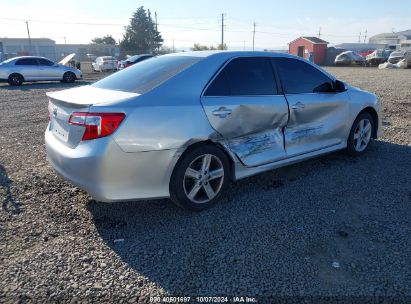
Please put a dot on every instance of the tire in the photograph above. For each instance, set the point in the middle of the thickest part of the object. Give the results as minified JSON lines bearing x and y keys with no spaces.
{"x":361,"y":134}
{"x":69,"y":77}
{"x":15,"y":79}
{"x":191,"y":186}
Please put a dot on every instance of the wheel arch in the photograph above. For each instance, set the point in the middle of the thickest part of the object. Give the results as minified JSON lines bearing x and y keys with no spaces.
{"x":208,"y":142}
{"x":374,"y":115}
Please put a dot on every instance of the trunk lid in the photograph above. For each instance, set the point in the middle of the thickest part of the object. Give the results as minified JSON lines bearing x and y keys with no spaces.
{"x":64,"y":103}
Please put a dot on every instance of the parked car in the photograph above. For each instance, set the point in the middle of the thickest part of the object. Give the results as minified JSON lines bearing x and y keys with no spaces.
{"x":31,"y":68}
{"x":104,"y":63}
{"x":377,"y":57}
{"x":349,"y":58}
{"x":399,"y":55}
{"x":133,"y":60}
{"x":185,"y":125}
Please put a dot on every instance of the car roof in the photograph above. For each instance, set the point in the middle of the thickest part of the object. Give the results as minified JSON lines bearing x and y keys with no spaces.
{"x":229,"y":54}
{"x":21,"y":57}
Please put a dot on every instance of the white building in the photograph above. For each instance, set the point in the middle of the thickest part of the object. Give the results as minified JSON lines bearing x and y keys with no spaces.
{"x":45,"y":47}
{"x":393,"y":40}
{"x":11,"y":47}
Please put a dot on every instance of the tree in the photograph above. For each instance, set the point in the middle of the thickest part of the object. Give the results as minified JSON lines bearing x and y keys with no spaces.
{"x":108,"y":39}
{"x":200,"y":47}
{"x":141,"y":34}
{"x":165,"y":50}
{"x":222,"y":47}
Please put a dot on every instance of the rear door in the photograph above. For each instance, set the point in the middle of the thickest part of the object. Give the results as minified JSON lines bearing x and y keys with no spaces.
{"x":318,"y":114}
{"x":244,"y":104}
{"x":29,"y":68}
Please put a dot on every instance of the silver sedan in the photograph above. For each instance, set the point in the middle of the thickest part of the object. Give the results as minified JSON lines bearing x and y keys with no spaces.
{"x":184,"y":125}
{"x":30,"y":68}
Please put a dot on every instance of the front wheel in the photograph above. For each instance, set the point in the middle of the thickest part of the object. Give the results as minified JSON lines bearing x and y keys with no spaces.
{"x":200,"y":177}
{"x":360,"y":134}
{"x":69,"y":77}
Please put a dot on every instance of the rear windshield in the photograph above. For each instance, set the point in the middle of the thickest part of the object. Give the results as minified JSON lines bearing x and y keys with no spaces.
{"x":148,"y":74}
{"x":107,"y":58}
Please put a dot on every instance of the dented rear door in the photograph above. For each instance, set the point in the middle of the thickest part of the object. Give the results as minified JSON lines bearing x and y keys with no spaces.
{"x":318,"y":114}
{"x":243,"y":104}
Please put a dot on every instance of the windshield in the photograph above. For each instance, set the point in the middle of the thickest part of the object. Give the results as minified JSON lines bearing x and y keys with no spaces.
{"x":148,"y":74}
{"x":107,"y":58}
{"x":8,"y":60}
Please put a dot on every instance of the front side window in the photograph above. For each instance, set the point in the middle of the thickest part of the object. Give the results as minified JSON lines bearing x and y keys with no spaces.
{"x":248,"y":76}
{"x":45,"y":62}
{"x":299,"y":77}
{"x":27,"y":61}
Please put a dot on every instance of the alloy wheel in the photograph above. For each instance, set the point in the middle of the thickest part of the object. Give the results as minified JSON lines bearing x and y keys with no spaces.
{"x":362,"y":135}
{"x":203,"y":178}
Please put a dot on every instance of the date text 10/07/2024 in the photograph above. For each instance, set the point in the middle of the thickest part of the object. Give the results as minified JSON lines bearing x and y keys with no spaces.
{"x":172,"y":299}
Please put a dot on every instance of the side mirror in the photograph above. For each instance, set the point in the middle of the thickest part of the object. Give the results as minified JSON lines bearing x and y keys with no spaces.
{"x":340,"y":86}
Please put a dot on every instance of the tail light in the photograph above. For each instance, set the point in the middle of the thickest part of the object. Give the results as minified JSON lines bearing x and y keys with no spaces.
{"x":97,"y":124}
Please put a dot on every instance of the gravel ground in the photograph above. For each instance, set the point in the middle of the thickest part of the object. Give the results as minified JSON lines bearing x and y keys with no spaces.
{"x":331,"y":228}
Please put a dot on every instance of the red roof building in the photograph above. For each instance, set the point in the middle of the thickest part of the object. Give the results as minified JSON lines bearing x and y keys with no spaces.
{"x":303,"y":46}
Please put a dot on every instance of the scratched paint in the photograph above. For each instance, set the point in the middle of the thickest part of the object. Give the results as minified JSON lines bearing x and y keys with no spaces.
{"x":254,"y":149}
{"x":301,"y":134}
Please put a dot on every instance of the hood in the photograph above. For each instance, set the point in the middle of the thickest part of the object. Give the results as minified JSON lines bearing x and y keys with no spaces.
{"x":67,"y":59}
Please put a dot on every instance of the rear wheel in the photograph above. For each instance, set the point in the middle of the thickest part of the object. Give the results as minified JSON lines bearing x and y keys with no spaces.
{"x":200,"y":177}
{"x":15,"y":79}
{"x":360,"y":134}
{"x":69,"y":77}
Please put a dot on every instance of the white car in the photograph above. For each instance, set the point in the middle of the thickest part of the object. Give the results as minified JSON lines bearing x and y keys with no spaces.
{"x":104,"y":63}
{"x":17,"y":70}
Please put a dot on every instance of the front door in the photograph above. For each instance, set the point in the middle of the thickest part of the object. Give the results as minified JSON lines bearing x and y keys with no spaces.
{"x":243,"y":104}
{"x":318,"y":114}
{"x":48,"y":70}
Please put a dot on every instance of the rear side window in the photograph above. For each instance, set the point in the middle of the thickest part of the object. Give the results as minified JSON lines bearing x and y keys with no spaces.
{"x":27,"y":61}
{"x":141,"y":78}
{"x":299,"y":77}
{"x":45,"y":62}
{"x":244,"y":77}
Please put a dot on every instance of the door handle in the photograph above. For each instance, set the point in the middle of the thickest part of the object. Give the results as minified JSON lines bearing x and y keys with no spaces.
{"x":222,"y":112}
{"x":298,"y":106}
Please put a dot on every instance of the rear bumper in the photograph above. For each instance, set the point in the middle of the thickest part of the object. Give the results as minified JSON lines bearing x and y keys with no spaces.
{"x":108,"y":173}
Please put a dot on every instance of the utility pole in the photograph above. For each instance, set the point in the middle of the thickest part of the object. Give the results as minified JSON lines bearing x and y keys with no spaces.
{"x":365,"y":37}
{"x":359,"y":38}
{"x":28,"y":33}
{"x":174,"y":50}
{"x":254,"y":34}
{"x":65,"y":41}
{"x":243,"y":45}
{"x":319,"y":32}
{"x":222,"y":31}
